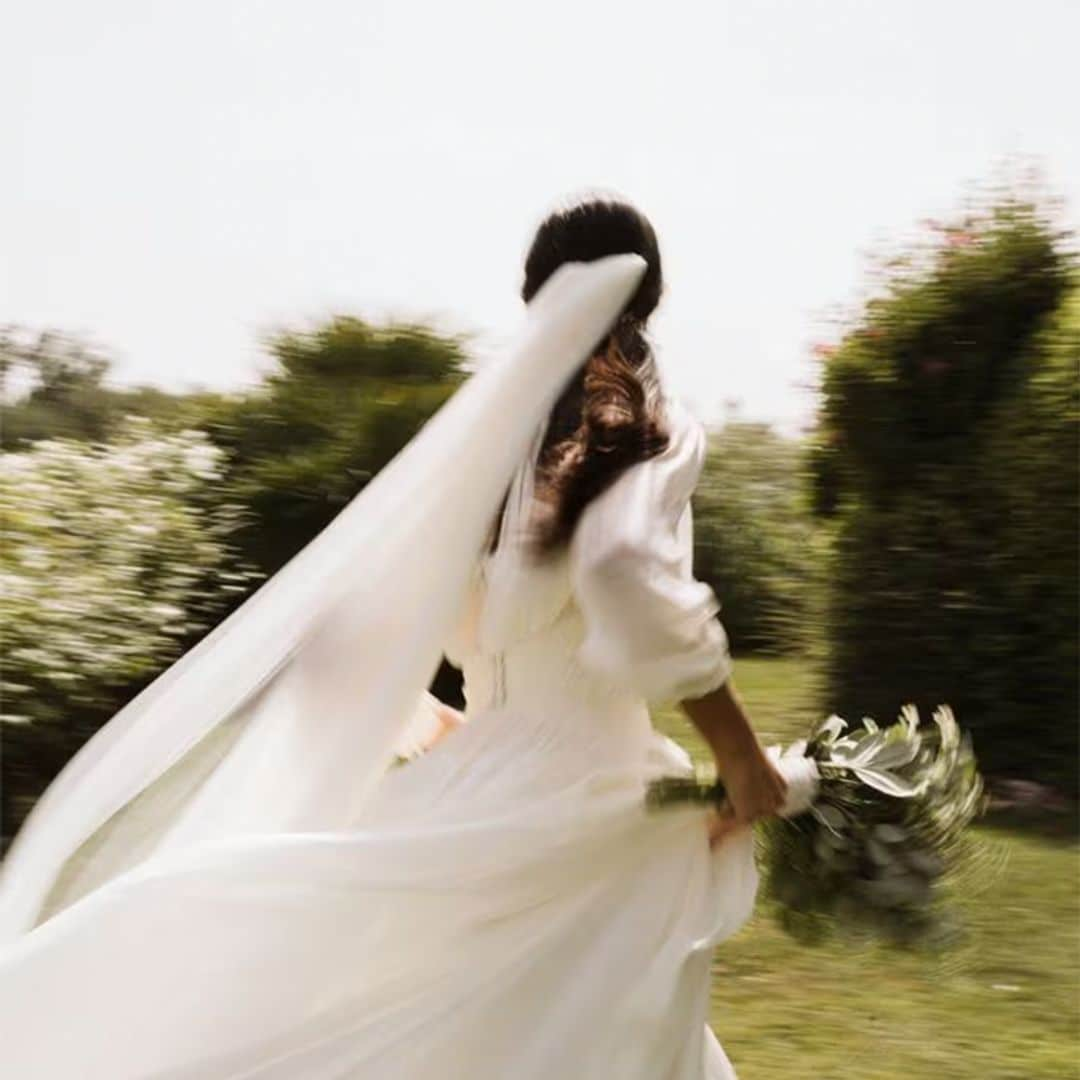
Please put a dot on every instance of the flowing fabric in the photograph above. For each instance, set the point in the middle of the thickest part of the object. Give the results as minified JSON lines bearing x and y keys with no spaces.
{"x":501,"y":906}
{"x":264,"y":725}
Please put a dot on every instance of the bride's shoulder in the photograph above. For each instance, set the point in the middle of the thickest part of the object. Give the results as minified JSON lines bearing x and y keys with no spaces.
{"x":671,"y":475}
{"x":661,"y":484}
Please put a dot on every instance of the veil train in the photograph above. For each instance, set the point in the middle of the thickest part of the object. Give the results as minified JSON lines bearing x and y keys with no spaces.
{"x":284,"y":717}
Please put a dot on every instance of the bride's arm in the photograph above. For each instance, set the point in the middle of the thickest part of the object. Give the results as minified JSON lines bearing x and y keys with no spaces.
{"x":652,"y":626}
{"x":754,"y":787}
{"x":681,"y":654}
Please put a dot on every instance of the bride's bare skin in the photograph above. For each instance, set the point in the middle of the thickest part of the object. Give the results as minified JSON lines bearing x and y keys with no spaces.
{"x":450,"y":719}
{"x":755,"y":787}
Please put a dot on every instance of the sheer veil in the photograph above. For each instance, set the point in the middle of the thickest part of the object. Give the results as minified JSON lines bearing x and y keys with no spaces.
{"x":285,"y":716}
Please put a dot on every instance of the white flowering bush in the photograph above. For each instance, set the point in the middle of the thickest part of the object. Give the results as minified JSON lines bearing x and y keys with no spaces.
{"x":114,"y":556}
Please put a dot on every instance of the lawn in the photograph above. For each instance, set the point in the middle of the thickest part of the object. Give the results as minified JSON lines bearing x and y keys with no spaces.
{"x":1004,"y":1004}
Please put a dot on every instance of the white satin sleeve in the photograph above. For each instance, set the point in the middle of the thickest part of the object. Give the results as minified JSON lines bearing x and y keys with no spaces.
{"x":650,"y":625}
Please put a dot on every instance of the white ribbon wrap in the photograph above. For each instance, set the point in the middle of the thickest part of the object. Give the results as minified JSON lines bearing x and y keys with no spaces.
{"x":803,"y":779}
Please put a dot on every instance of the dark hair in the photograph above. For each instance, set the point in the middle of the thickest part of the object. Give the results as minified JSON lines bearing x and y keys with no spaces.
{"x":610,"y":415}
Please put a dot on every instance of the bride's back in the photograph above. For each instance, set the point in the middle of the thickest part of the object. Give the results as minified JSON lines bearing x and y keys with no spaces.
{"x":613,"y":620}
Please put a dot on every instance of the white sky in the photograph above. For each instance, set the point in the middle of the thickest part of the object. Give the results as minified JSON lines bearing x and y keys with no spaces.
{"x":180,"y":177}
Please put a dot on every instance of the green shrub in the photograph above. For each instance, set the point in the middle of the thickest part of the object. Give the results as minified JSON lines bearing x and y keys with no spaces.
{"x":946,"y":458}
{"x":755,"y":540}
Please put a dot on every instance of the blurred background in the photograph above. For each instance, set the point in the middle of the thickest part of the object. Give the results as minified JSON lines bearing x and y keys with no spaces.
{"x":250,"y":247}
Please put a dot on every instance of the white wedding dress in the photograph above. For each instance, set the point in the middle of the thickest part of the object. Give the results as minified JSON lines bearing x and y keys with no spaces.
{"x":501,"y":906}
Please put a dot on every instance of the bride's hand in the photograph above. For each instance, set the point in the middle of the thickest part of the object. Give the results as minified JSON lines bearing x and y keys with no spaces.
{"x":754,"y":788}
{"x":449,"y":720}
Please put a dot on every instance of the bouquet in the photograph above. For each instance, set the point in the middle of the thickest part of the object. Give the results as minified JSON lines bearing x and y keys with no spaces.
{"x":875,"y":818}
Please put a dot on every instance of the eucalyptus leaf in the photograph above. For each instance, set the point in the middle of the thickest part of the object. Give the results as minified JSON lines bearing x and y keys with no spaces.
{"x":887,"y":782}
{"x":890,"y":834}
{"x":832,"y":816}
{"x":898,"y":750}
{"x":832,"y":727}
{"x":822,"y":848}
{"x":877,"y":852}
{"x":925,"y":862}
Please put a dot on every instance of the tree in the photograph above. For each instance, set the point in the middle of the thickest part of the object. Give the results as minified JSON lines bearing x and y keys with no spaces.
{"x":54,"y":385}
{"x":115,"y":558}
{"x":946,"y":461}
{"x":343,"y":400}
{"x":755,"y":540}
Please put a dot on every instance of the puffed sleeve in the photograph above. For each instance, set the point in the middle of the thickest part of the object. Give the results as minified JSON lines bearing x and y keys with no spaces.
{"x":650,"y":625}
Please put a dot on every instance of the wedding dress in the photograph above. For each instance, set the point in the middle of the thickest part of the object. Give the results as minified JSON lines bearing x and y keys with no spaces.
{"x":502,"y":905}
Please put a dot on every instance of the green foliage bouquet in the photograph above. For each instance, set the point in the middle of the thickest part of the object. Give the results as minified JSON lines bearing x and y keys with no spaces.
{"x":867,"y":841}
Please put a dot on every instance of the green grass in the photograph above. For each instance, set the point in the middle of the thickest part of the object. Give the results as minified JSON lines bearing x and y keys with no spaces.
{"x":1004,"y":1004}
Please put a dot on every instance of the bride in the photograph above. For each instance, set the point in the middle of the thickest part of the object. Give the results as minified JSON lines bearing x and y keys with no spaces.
{"x":237,"y":878}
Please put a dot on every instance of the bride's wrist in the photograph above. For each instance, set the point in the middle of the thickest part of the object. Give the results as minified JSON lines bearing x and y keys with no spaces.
{"x":739,"y":756}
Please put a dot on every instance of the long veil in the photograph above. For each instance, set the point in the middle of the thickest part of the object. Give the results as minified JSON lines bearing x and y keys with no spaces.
{"x":285,"y":716}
